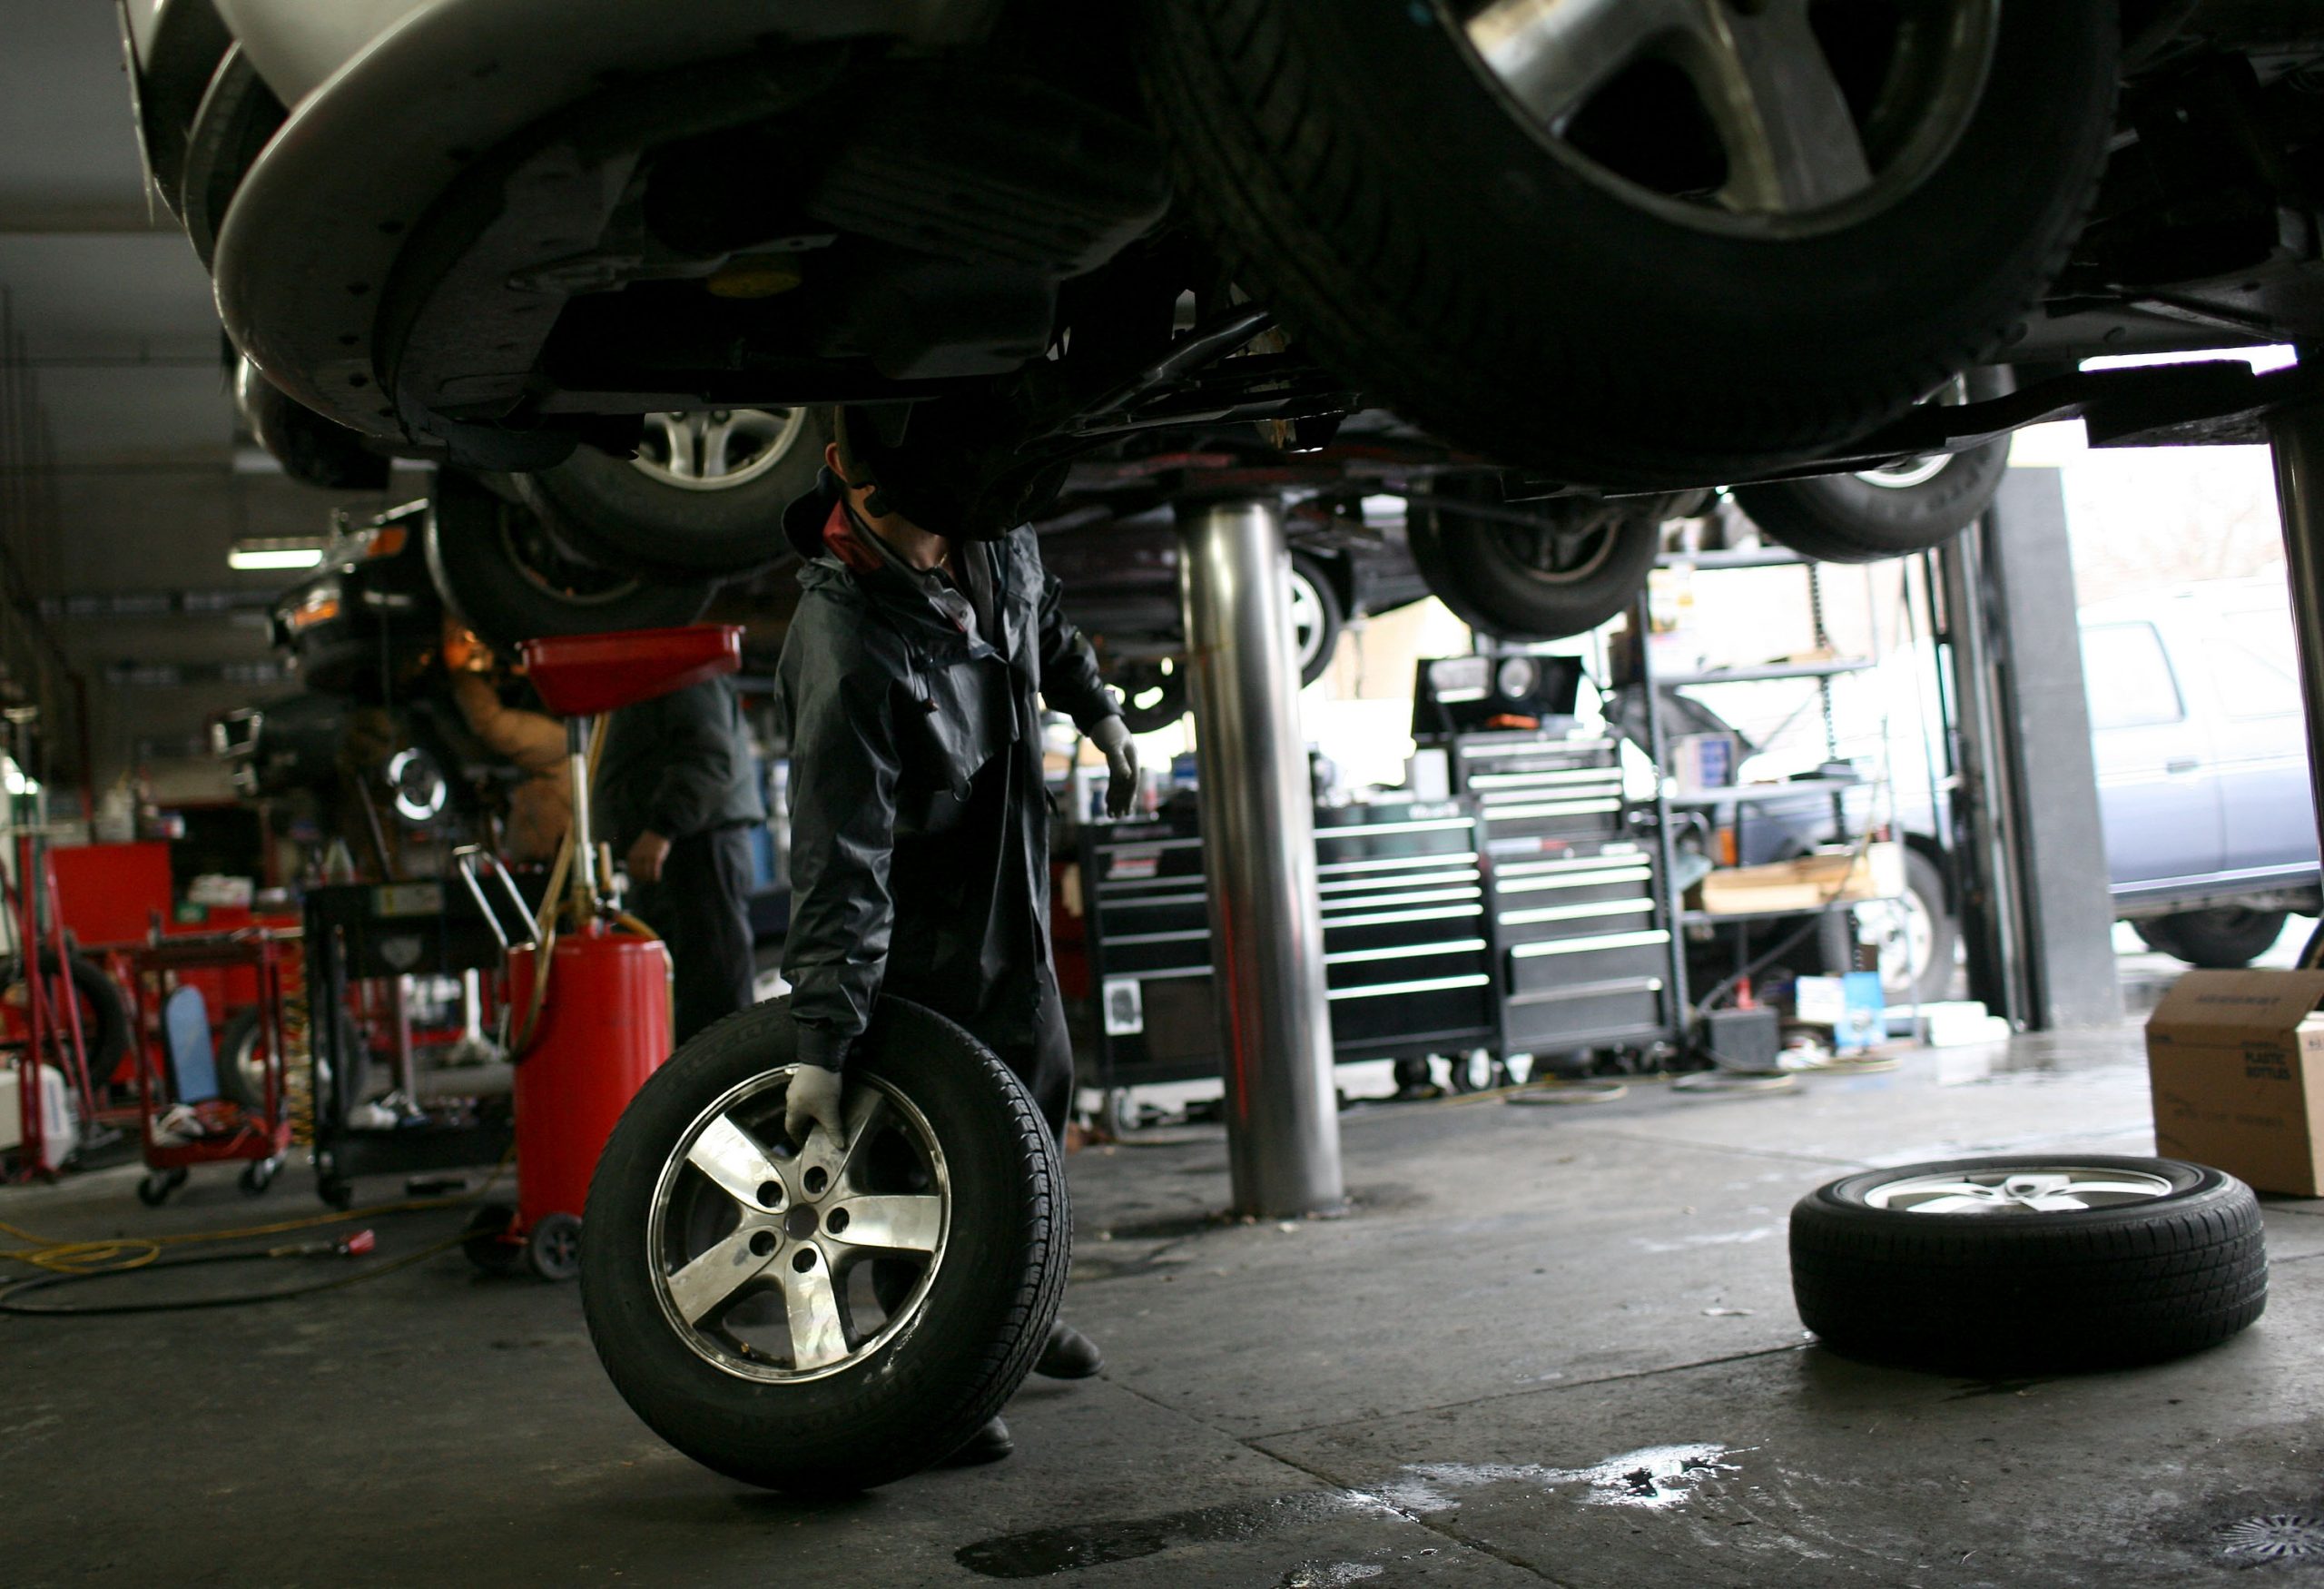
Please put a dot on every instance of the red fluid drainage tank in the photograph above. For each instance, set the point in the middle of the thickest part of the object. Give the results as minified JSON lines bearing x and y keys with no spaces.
{"x":605,"y":1029}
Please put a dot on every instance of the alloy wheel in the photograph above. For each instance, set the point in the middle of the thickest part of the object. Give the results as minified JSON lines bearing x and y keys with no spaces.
{"x":716,"y":449}
{"x":782,"y":1263}
{"x":2043,"y":1189}
{"x":1768,"y":117}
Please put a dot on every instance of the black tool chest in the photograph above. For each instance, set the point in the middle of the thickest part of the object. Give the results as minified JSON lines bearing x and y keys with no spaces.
{"x":1579,"y":925}
{"x":1524,"y":917}
{"x":1408,"y":956}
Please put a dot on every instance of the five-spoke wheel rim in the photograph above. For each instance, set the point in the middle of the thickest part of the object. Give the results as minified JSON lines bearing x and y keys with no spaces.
{"x":786,"y":1265}
{"x":1768,"y":117}
{"x":716,"y":449}
{"x":2043,"y":1188}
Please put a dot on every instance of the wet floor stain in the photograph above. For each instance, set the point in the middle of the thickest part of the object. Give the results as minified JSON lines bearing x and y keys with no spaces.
{"x":1044,"y":1550}
{"x":1657,"y":1478}
{"x":1328,"y":1575}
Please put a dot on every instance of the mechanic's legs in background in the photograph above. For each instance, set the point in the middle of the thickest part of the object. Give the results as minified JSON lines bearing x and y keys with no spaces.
{"x":700,"y":907}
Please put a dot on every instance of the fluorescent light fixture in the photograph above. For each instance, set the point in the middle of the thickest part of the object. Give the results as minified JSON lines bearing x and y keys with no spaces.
{"x":264,"y":552}
{"x":2262,"y":360}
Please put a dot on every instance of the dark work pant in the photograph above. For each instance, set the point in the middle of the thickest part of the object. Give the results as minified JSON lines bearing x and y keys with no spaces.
{"x":1038,"y":1050}
{"x":702,"y":909}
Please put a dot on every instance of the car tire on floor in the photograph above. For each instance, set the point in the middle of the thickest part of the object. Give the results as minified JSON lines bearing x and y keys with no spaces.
{"x":2028,"y":1265}
{"x":105,"y":1008}
{"x":816,"y":1319}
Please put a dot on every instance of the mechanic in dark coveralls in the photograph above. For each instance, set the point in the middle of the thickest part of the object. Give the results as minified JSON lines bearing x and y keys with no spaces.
{"x":677,"y":791}
{"x":919,"y":819}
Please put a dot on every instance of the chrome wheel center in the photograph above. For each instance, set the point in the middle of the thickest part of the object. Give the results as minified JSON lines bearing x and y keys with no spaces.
{"x":782,"y":1263}
{"x":2044,"y":1190}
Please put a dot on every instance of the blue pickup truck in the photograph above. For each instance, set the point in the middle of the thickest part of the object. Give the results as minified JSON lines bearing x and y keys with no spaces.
{"x":2202,"y":783}
{"x":2203,"y":766}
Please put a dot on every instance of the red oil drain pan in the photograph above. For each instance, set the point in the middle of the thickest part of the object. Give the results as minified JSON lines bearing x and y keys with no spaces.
{"x":580,"y":676}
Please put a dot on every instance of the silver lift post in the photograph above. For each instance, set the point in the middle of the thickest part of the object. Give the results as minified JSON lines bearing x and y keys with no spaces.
{"x":1258,"y":824}
{"x":2298,"y":442}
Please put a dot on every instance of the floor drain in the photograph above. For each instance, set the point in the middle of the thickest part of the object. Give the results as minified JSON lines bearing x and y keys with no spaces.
{"x":2274,"y":1538}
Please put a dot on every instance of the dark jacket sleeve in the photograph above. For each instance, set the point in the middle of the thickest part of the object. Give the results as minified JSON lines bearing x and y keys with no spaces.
{"x":698,"y":753}
{"x":843,"y":770}
{"x":1070,"y":681}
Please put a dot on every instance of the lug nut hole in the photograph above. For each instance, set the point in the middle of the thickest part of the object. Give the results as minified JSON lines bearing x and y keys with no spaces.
{"x":817,"y":1180}
{"x":837,"y":1222}
{"x":762,"y":1243}
{"x":770,"y":1192}
{"x":804,"y":1260}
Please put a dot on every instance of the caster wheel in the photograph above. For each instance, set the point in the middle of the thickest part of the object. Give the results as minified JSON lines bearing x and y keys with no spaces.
{"x":1476,"y":1072}
{"x":488,"y":1243}
{"x":155,"y":1189}
{"x":1415,"y":1081}
{"x":257,"y":1176}
{"x":553,"y":1250}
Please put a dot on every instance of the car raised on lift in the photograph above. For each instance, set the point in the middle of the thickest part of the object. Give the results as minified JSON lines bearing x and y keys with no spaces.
{"x":1614,"y":247}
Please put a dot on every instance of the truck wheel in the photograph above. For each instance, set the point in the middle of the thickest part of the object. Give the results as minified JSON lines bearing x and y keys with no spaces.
{"x":1995,"y":1267}
{"x":499,"y":567}
{"x":1911,"y":507}
{"x":820,"y":1316}
{"x":1515,"y":224}
{"x":1915,"y":935}
{"x":2226,"y":938}
{"x":704,"y":497}
{"x":1573,"y":566}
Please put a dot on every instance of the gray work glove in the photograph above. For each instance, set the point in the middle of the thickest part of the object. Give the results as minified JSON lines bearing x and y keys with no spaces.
{"x":1112,"y":736}
{"x":813,"y":1101}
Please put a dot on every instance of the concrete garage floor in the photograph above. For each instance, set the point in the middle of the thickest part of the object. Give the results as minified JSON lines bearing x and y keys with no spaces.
{"x":1553,"y":1345}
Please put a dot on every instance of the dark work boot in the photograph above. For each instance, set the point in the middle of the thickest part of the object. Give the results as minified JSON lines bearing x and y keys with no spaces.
{"x":990,"y":1444}
{"x":1069,"y":1355}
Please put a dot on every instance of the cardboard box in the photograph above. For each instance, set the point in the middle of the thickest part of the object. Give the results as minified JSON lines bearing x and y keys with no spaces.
{"x":2237,"y":1062}
{"x":1809,"y":883}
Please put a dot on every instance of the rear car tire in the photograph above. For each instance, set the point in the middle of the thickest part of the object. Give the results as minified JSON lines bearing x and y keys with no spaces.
{"x":312,"y":450}
{"x":1885,"y":1268}
{"x":1153,"y":694}
{"x":1917,"y":950}
{"x":2224,"y":938}
{"x":893,"y":1362}
{"x":704,"y":497}
{"x":1318,"y":617}
{"x":499,"y":569}
{"x":1578,"y":567}
{"x":1548,"y":292}
{"x":1913,"y":507}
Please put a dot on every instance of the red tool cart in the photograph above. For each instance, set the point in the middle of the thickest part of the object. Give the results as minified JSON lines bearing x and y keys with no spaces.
{"x":184,"y":1118}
